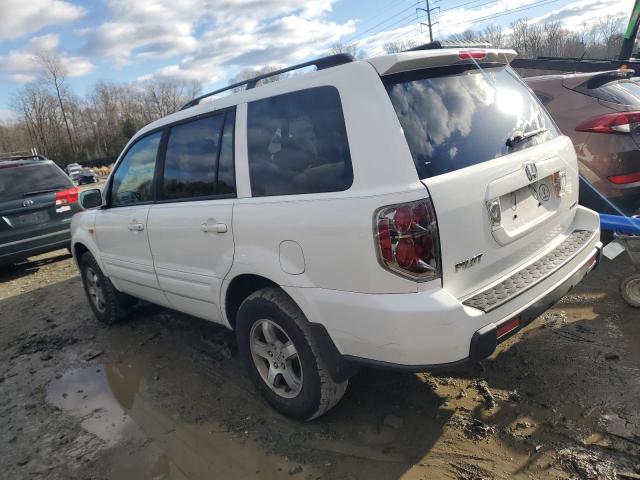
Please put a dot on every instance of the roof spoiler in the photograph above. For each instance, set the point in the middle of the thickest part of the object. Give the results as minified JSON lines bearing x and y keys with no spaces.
{"x":597,"y":80}
{"x":440,"y":57}
{"x":438,"y":44}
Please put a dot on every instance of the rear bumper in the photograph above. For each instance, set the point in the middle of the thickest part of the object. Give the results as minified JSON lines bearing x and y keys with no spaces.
{"x":431,"y":329}
{"x":19,"y":250}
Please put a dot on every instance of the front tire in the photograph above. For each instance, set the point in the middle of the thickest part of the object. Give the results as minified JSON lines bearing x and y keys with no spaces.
{"x":108,"y":304}
{"x":282,"y":358}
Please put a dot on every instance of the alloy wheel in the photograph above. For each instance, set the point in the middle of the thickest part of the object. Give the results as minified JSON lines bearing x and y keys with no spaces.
{"x":276,"y":358}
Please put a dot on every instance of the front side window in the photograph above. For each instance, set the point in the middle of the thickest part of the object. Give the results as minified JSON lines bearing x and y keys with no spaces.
{"x":297,"y":143}
{"x":133,"y":179}
{"x":458,"y":116}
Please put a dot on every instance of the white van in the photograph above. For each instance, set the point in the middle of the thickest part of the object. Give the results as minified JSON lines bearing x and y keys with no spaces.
{"x":409,"y":211}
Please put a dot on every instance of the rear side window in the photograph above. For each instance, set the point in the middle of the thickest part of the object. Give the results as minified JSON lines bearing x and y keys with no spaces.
{"x":298,"y":144}
{"x":191,"y":166}
{"x":455,"y":117}
{"x":19,"y":180}
{"x":622,"y":92}
{"x":133,"y":179}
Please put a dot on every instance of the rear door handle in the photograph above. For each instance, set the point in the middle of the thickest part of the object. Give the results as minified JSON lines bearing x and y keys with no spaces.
{"x":213,"y":227}
{"x":135,"y":227}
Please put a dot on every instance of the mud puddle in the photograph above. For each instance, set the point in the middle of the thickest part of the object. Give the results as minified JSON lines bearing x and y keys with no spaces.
{"x":112,"y":401}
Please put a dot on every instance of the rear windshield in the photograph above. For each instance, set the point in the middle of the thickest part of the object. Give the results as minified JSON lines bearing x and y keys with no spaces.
{"x":22,"y":180}
{"x":455,"y":117}
{"x":622,"y":92}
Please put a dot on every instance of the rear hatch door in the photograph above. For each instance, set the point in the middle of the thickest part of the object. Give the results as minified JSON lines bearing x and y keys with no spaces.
{"x":28,"y":206}
{"x":497,"y":168}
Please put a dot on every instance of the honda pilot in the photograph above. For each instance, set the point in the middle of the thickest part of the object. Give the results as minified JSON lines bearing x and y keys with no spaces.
{"x":409,"y":211}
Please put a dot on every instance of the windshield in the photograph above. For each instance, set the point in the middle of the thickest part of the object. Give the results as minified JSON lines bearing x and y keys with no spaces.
{"x":458,"y":116}
{"x":18,"y":180}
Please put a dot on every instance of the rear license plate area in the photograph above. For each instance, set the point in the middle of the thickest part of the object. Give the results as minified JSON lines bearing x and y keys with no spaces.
{"x":33,"y":218}
{"x":527,"y":204}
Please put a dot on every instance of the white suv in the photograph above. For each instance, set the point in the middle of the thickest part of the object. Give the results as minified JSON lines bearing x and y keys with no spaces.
{"x":409,"y":211}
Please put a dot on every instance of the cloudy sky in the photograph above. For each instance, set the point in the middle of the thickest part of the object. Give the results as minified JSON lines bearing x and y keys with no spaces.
{"x":211,"y":40}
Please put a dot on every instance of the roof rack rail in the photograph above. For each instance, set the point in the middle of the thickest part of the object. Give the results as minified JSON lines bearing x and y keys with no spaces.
{"x":20,"y":154}
{"x":447,"y":44}
{"x":320,"y":64}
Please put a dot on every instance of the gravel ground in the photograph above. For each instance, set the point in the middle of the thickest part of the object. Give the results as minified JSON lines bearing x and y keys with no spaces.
{"x":163,"y":396}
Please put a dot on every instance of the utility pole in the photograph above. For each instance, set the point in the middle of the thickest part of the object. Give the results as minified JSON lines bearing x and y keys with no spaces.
{"x":626,"y":52}
{"x":429,"y":24}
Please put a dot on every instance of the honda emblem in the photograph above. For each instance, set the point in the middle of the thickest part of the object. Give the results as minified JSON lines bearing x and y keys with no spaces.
{"x":531,"y":170}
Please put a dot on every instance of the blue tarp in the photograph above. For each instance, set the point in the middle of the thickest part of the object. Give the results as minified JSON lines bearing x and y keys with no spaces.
{"x":620,"y":224}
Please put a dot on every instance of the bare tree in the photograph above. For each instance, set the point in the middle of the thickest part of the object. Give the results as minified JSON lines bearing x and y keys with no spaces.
{"x":166,"y":96}
{"x":54,"y":74}
{"x":249,"y":73}
{"x":494,"y":35}
{"x":350,"y":48}
{"x":398,"y":46}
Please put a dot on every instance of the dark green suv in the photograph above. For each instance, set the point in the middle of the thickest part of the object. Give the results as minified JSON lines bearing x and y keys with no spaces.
{"x":37,"y":201}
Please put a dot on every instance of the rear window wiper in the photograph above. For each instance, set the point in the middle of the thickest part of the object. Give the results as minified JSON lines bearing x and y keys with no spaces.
{"x":46,"y":190}
{"x":519,"y":137}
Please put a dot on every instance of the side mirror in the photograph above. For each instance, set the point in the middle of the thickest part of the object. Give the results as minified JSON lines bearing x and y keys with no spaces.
{"x":91,"y":198}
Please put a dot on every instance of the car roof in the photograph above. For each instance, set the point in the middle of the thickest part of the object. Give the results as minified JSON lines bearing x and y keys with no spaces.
{"x":384,"y":65}
{"x":26,"y":161}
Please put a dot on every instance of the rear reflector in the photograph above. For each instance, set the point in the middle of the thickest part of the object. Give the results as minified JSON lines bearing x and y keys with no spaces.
{"x":622,"y":122}
{"x":472,"y":54}
{"x":66,"y":197}
{"x":507,"y":327}
{"x":626,"y":178}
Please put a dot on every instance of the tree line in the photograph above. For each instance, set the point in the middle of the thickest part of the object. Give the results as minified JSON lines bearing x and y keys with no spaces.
{"x":69,"y":128}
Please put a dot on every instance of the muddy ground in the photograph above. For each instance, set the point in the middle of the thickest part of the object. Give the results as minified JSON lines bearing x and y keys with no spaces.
{"x":163,"y":396}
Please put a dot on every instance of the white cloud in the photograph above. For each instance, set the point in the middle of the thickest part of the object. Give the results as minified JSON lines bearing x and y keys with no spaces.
{"x":213,"y":38}
{"x":21,"y":17}
{"x":576,"y":15}
{"x":20,"y":65}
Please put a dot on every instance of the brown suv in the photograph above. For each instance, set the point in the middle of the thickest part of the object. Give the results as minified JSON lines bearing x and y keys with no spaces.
{"x":601,"y":113}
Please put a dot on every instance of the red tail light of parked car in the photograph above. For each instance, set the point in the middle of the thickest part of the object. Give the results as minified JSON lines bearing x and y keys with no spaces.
{"x":622,"y":122}
{"x":66,"y":197}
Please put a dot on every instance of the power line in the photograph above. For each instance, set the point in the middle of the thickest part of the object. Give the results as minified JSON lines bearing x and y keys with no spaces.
{"x":468,"y":3}
{"x":381,"y":11}
{"x":520,"y":9}
{"x":361,"y":34}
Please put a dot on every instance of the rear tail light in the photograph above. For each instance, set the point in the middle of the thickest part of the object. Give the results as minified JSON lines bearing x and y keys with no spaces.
{"x":407,"y":239}
{"x":472,"y":54}
{"x":66,"y":197}
{"x":621,"y":122}
{"x":625,"y":178}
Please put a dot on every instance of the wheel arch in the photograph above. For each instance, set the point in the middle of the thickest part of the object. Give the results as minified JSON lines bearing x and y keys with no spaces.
{"x":239,"y":288}
{"x":243,"y":285}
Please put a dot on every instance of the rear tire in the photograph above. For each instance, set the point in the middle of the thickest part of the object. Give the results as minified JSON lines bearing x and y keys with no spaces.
{"x":630,"y":290}
{"x":282,"y":358}
{"x":108,"y":304}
